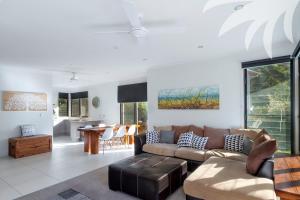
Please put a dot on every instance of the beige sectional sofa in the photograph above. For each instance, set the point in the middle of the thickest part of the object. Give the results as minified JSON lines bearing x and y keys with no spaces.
{"x":218,"y":174}
{"x":191,"y":154}
{"x":225,"y":179}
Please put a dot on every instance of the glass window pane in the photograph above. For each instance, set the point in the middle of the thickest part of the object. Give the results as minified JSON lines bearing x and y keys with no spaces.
{"x":75,"y":107}
{"x":142,"y":116}
{"x":84,"y":107}
{"x":63,"y":107}
{"x":129,"y":113}
{"x":269,"y":101}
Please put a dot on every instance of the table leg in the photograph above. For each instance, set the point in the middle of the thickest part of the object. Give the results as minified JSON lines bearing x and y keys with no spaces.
{"x":131,"y":139}
{"x":87,"y":142}
{"x":95,"y":143}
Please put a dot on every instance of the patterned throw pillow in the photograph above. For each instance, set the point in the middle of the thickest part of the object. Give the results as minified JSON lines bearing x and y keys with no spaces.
{"x":28,"y":130}
{"x":185,"y":140}
{"x":234,"y":142}
{"x":199,"y":142}
{"x":152,"y":137}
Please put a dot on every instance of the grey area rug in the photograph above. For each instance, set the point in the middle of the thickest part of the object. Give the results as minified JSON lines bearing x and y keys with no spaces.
{"x":90,"y":186}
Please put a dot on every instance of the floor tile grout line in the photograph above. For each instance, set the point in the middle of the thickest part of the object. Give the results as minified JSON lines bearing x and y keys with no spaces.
{"x":12,"y":187}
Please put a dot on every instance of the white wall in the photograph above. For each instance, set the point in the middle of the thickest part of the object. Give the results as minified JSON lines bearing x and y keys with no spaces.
{"x":109,"y":109}
{"x":226,"y":74}
{"x":16,"y":80}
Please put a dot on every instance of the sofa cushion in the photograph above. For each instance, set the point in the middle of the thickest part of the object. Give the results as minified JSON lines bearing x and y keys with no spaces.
{"x":161,"y":149}
{"x":259,"y":154}
{"x":167,"y":137}
{"x":234,"y":143}
{"x":250,"y":133}
{"x":216,"y":137}
{"x":199,"y":142}
{"x":185,"y":140}
{"x":179,"y":130}
{"x":162,"y":128}
{"x":197,"y":130}
{"x":190,"y":154}
{"x":247,"y":145}
{"x":262,"y":138}
{"x":224,"y":179}
{"x":222,"y":153}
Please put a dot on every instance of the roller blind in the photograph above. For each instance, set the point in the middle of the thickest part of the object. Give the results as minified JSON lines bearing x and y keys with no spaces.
{"x":132,"y":93}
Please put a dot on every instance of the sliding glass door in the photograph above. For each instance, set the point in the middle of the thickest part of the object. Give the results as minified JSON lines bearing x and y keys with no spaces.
{"x":269,"y":99}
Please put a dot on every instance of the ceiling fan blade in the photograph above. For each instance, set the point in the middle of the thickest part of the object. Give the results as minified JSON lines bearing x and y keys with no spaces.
{"x":132,"y":13}
{"x":113,"y":32}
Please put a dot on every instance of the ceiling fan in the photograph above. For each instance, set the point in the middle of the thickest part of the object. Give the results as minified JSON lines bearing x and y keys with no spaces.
{"x":74,"y":77}
{"x":139,"y":28}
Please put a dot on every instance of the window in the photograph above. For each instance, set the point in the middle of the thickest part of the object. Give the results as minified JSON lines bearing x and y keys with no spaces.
{"x":268,"y":99}
{"x":134,"y":113}
{"x":63,"y":105}
{"x":79,"y":104}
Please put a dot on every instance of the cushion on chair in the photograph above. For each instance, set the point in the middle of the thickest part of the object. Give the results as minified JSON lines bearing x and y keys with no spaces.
{"x":188,"y":153}
{"x":234,"y":143}
{"x":161,"y":149}
{"x":199,"y":142}
{"x":185,"y":140}
{"x":152,"y":137}
{"x":224,"y":179}
{"x":216,"y":137}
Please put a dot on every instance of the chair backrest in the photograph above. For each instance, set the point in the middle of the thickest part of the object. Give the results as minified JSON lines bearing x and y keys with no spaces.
{"x":121,"y":131}
{"x":131,"y":130}
{"x":88,"y":126}
{"x":108,"y":134}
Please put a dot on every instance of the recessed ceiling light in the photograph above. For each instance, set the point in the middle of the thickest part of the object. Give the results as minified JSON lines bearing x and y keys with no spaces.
{"x":200,"y":46}
{"x":239,"y":7}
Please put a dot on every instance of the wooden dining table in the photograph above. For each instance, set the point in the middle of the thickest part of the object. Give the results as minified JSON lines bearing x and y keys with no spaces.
{"x":92,"y":135}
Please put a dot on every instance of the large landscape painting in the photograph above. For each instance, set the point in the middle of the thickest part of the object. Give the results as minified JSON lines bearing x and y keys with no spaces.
{"x":190,"y":98}
{"x":24,"y":101}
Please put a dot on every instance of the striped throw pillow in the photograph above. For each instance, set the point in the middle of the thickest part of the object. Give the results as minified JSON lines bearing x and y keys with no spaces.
{"x":185,"y":140}
{"x":199,"y":142}
{"x":152,"y":137}
{"x":234,"y":143}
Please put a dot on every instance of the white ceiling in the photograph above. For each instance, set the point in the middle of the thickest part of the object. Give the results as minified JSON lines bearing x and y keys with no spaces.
{"x":61,"y":35}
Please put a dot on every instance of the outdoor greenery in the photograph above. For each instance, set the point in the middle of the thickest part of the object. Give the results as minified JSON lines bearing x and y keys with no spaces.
{"x":269,"y":101}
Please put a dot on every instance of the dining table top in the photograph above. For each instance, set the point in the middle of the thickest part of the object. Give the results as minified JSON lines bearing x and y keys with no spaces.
{"x":102,"y":128}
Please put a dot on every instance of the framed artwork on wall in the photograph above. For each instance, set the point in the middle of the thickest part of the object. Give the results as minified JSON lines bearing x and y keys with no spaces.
{"x":24,"y":101}
{"x":189,"y":98}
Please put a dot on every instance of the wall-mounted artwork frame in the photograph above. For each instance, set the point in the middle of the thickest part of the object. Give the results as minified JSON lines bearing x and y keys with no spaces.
{"x":190,"y":98}
{"x":24,"y":101}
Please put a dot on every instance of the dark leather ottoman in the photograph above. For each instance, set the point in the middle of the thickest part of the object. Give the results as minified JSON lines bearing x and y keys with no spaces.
{"x":147,"y":176}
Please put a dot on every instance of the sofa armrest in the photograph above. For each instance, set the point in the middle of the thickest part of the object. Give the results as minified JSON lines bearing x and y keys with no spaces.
{"x":139,"y":141}
{"x":266,"y":170}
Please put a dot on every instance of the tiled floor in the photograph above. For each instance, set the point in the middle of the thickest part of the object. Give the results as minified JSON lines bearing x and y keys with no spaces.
{"x":67,"y":160}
